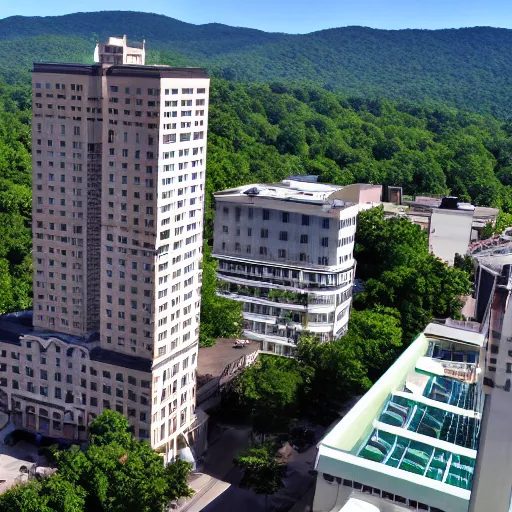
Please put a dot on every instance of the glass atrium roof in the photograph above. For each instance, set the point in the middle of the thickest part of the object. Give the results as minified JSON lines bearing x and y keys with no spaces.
{"x":419,"y":458}
{"x":431,"y":427}
{"x":430,"y":421}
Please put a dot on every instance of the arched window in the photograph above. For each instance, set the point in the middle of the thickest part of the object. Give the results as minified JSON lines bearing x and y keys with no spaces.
{"x":43,"y":412}
{"x":56,"y":416}
{"x":30,"y":410}
{"x":69,"y":352}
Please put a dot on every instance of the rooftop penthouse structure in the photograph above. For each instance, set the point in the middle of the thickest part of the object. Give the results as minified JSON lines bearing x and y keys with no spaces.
{"x":285,"y":250}
{"x":117,"y":51}
{"x":411,"y":442}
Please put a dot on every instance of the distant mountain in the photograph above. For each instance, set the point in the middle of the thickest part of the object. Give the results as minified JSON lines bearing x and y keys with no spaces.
{"x":468,"y":68}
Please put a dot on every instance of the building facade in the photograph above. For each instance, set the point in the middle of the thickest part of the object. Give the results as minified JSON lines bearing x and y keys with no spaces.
{"x":286,"y":252}
{"x":119,"y":158}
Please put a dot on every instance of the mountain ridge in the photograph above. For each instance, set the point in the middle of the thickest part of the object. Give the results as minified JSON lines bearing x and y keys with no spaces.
{"x":468,"y":68}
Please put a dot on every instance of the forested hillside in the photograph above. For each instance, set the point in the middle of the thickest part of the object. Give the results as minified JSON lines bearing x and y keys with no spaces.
{"x":267,"y":132}
{"x":466,"y":68}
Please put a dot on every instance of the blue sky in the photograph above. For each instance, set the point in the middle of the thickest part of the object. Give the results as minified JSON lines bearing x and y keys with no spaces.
{"x":295,"y":16}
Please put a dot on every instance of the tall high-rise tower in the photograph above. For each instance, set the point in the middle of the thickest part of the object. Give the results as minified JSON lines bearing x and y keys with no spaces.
{"x":119,"y":154}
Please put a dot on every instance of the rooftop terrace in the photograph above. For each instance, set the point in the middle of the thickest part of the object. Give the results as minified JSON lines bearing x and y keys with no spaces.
{"x":299,"y":189}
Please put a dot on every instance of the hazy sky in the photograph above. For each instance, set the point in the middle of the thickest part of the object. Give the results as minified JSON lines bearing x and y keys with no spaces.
{"x":294,"y":16}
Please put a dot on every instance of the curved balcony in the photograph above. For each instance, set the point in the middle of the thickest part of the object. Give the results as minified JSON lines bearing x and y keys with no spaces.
{"x":233,"y":291}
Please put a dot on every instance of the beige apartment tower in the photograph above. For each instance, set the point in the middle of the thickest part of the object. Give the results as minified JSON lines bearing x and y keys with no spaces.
{"x":119,"y":155}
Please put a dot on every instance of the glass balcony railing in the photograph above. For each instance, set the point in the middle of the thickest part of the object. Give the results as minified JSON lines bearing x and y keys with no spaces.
{"x":280,"y":296}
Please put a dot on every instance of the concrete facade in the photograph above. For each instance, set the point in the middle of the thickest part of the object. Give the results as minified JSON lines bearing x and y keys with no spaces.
{"x":119,"y":159}
{"x":450,"y":233}
{"x":286,"y":251}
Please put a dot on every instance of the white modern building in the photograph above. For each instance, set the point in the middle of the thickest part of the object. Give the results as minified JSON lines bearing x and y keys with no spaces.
{"x":412,"y":441}
{"x":119,"y":159}
{"x":286,"y":251}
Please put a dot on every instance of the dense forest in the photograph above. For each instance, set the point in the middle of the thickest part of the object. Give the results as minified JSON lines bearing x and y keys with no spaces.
{"x":466,"y":68}
{"x":15,"y":200}
{"x":266,"y":132}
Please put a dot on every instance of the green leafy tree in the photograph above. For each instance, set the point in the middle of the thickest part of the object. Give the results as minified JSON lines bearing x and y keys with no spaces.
{"x":335,"y":374}
{"x":262,"y":472}
{"x":24,"y":498}
{"x":402,"y":275}
{"x":110,"y":427}
{"x":376,"y":336}
{"x":267,"y":393}
{"x":115,"y":473}
{"x":62,"y":495}
{"x":220,"y":317}
{"x":176,"y":476}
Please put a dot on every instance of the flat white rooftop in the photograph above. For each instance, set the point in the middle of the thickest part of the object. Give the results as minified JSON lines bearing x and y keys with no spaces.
{"x":307,"y":192}
{"x":444,"y":331}
{"x":287,"y":189}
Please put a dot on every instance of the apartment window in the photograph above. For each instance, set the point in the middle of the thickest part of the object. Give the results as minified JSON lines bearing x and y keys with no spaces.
{"x":264,"y":233}
{"x":266,"y":214}
{"x":283,"y":236}
{"x":324,"y":241}
{"x":303,"y":256}
{"x":303,"y":239}
{"x":263,"y":251}
{"x":325,"y":223}
{"x":281,"y":253}
{"x":285,"y":216}
{"x":305,"y":220}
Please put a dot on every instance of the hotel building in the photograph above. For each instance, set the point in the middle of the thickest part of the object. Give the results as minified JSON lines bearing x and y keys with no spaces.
{"x":285,"y":251}
{"x":119,"y":159}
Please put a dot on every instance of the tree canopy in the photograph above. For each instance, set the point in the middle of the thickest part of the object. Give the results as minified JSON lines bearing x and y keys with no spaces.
{"x":400,"y":273}
{"x":115,"y":473}
{"x":262,"y":472}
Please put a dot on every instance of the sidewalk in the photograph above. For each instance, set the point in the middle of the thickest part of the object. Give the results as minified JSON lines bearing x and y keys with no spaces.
{"x":217,"y":474}
{"x":206,"y":489}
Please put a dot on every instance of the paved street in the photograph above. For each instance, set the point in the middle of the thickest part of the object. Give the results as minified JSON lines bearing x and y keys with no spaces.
{"x":217,"y":486}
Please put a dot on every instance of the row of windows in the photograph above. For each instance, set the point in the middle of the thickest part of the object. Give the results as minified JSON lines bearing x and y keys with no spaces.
{"x":82,"y":397}
{"x":150,"y":91}
{"x":281,"y":253}
{"x":182,"y":152}
{"x":185,"y":90}
{"x":58,"y":86}
{"x":282,"y":236}
{"x":286,"y":216}
{"x":265,"y":272}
